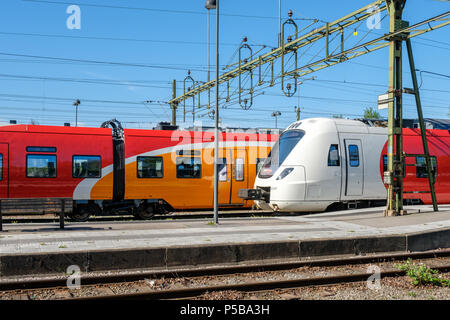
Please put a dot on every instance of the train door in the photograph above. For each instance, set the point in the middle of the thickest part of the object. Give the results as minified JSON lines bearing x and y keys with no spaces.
{"x":224,"y":178}
{"x":354,"y":168}
{"x":239,"y":174}
{"x":4,"y":178}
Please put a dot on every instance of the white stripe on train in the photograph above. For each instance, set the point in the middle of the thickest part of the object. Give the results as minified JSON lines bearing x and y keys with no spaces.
{"x":84,"y":188}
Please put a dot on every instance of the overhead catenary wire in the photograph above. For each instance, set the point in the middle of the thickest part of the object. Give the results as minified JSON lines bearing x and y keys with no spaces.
{"x":155,"y":9}
{"x":105,"y":38}
{"x":112,"y":63}
{"x":223,"y":89}
{"x":161,"y":87}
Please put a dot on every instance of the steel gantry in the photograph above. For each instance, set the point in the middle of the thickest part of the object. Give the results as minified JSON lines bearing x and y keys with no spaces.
{"x":399,"y":31}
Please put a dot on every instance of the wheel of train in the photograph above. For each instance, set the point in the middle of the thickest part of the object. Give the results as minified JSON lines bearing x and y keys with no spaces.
{"x":81,"y":213}
{"x":145,"y":211}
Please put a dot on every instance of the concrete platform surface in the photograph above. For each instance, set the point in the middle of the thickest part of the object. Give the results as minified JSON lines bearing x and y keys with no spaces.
{"x":44,"y":248}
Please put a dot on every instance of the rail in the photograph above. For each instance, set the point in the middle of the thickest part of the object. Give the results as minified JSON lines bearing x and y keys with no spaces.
{"x":100,"y":279}
{"x":189,"y":293}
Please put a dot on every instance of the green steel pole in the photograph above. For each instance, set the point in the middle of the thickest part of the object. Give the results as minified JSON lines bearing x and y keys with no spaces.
{"x":394,"y":204}
{"x":390,"y":151}
{"x":422,"y":124}
{"x":398,"y":130}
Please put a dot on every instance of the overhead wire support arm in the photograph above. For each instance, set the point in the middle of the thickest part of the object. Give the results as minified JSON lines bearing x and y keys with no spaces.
{"x":375,"y":44}
{"x":337,"y":26}
{"x":244,"y":103}
{"x":295,"y":44}
{"x":191,"y":80}
{"x":284,"y":51}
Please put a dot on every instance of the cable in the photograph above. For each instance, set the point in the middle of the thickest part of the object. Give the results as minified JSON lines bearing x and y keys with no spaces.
{"x":68,"y":99}
{"x":90,"y":81}
{"x":437,"y":74}
{"x":98,"y":62}
{"x":175,"y":42}
{"x":157,"y":10}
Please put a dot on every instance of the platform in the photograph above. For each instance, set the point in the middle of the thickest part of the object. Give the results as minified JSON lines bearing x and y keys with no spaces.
{"x":40,"y":248}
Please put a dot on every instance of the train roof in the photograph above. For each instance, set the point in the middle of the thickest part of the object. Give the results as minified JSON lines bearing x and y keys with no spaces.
{"x":437,"y":123}
{"x":322,"y":123}
{"x":430,"y":123}
{"x":54,"y":129}
{"x":375,"y":126}
{"x":30,"y":128}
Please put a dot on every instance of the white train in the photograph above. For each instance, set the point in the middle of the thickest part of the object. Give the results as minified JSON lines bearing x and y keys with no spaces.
{"x":321,"y":162}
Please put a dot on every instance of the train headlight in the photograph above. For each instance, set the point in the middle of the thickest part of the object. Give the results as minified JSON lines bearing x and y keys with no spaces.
{"x":284,"y":173}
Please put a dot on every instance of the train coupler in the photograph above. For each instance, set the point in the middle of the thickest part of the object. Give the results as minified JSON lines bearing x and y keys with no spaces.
{"x":250,"y":194}
{"x":254,"y":194}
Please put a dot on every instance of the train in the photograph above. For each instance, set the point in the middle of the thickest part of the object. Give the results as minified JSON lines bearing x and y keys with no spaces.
{"x":320,"y":164}
{"x":143,"y":172}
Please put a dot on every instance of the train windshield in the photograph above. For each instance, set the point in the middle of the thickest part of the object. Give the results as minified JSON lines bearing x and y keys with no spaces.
{"x":281,"y":149}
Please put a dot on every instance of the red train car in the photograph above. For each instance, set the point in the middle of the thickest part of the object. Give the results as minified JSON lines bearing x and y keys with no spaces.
{"x":415,"y":171}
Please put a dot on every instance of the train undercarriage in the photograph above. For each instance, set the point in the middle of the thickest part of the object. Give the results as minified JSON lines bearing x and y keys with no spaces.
{"x":261,"y":196}
{"x":140,"y":209}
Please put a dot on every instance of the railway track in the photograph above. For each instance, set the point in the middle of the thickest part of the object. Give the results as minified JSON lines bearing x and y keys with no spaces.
{"x":192,"y":292}
{"x":53,"y":217}
{"x":176,"y":216}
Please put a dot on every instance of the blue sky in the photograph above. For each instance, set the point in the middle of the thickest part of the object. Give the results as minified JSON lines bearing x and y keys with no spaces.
{"x":144,"y":45}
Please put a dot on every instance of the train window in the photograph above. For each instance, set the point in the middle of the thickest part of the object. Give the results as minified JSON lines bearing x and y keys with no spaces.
{"x":385,"y":163}
{"x":1,"y":166}
{"x":86,"y":166}
{"x":41,"y":166}
{"x":188,"y":153}
{"x":41,"y":149}
{"x":239,"y":169}
{"x":150,"y":167}
{"x":421,"y":167}
{"x":189,"y":167}
{"x":280,"y":150}
{"x":222,"y":169}
{"x":333,"y":156}
{"x":353,"y":153}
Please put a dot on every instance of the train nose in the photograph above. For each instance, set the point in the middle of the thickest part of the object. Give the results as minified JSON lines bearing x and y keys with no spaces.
{"x":288,"y":189}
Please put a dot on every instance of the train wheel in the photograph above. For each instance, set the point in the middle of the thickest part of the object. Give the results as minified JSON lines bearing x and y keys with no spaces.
{"x":145,"y":212}
{"x":82,"y":213}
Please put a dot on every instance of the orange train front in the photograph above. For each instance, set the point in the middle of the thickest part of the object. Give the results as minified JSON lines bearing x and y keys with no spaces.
{"x":142,"y":172}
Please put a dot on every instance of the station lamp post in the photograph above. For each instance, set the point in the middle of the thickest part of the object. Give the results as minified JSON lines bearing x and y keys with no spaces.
{"x":210,"y":4}
{"x":76,"y":104}
{"x":214,"y":4}
{"x":276,"y":114}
